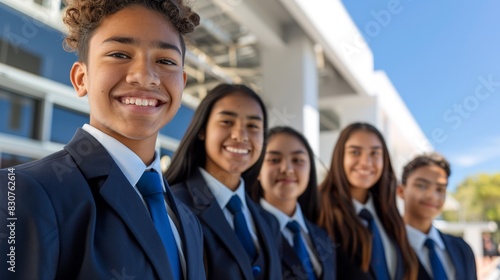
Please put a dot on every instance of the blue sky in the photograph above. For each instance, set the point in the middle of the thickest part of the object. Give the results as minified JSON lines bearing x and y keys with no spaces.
{"x":443,"y":57}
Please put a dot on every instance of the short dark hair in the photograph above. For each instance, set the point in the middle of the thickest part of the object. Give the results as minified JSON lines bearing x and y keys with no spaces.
{"x":425,"y":160}
{"x":82,"y":17}
{"x":191,"y":152}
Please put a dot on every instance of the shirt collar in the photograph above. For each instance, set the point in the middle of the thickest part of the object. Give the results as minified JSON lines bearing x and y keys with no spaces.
{"x":436,"y":237}
{"x":283,"y":218}
{"x":417,"y":238}
{"x":129,"y":163}
{"x":222,"y":193}
{"x":369,"y":205}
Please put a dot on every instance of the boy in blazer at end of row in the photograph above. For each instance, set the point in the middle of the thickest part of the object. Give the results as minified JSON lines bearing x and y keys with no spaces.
{"x":423,"y":189}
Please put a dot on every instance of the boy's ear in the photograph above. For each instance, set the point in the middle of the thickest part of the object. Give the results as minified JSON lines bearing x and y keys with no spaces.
{"x":78,"y":76}
{"x":400,"y":191}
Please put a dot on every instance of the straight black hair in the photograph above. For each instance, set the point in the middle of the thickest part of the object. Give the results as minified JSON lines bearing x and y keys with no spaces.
{"x":191,"y":152}
{"x":308,"y":200}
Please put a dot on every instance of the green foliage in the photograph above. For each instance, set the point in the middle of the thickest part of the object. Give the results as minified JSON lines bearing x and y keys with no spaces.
{"x":479,"y":196}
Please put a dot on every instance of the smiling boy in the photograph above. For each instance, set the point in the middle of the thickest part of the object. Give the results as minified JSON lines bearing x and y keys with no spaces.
{"x":86,"y":212}
{"x":423,"y":190}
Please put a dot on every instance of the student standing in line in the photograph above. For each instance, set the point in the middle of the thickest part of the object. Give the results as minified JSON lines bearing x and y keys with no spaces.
{"x":287,"y":188}
{"x":358,"y":209}
{"x":219,"y":156}
{"x":423,"y":189}
{"x":99,"y":208}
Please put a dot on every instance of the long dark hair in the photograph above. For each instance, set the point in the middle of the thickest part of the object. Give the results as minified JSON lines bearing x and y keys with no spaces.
{"x":339,"y":218}
{"x":191,"y":152}
{"x":309,"y":199}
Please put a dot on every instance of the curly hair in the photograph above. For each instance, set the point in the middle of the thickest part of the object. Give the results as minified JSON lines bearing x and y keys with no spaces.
{"x":82,"y":17}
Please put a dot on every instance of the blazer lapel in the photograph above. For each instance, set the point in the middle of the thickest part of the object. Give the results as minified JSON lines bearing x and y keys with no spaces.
{"x":322,"y":247}
{"x":290,"y":258}
{"x":422,"y":273}
{"x":189,"y":246}
{"x":97,"y":164}
{"x":264,"y":235}
{"x":210,"y":213}
{"x":454,"y":254}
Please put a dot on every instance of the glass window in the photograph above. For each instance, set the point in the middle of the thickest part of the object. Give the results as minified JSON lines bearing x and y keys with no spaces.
{"x":165,"y":159}
{"x":8,"y":160}
{"x":179,"y":124}
{"x":20,"y":58}
{"x":65,"y":122}
{"x":18,"y":114}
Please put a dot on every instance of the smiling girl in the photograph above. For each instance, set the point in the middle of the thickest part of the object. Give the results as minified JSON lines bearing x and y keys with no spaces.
{"x":287,"y":181}
{"x":358,"y":209}
{"x":220,"y":154}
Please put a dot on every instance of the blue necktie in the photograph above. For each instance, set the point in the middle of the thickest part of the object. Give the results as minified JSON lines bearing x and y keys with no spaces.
{"x":240,"y":226}
{"x":300,"y":249}
{"x":378,"y":262}
{"x":152,"y":191}
{"x":437,"y":266}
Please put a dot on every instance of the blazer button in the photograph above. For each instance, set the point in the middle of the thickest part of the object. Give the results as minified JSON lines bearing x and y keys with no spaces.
{"x":256,"y":270}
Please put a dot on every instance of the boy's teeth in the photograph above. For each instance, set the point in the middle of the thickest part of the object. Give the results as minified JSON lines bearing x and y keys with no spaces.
{"x":139,"y":101}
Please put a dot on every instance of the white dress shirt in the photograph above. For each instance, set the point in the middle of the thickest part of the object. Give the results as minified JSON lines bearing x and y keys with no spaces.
{"x":389,"y":247}
{"x":283,"y":220}
{"x":417,"y":240}
{"x":223,"y":194}
{"x":133,"y":168}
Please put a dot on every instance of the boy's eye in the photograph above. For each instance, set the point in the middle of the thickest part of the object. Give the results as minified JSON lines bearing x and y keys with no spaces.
{"x":421,"y":186}
{"x":167,"y":62}
{"x":119,"y":55}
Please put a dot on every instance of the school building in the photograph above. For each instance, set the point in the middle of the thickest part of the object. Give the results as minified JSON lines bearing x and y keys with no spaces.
{"x":308,"y":61}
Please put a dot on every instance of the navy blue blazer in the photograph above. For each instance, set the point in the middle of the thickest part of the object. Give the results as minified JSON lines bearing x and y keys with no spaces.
{"x":325,"y":251}
{"x":78,"y":217}
{"x":348,"y":269}
{"x":461,"y":256}
{"x":225,"y":257}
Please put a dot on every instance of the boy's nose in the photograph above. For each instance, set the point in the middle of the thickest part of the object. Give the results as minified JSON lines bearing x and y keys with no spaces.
{"x":142,"y":73}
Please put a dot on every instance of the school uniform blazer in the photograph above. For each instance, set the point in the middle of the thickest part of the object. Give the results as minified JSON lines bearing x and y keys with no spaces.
{"x":78,"y":217}
{"x":347,"y":269}
{"x":225,"y":257}
{"x":461,"y":256}
{"x":325,"y":251}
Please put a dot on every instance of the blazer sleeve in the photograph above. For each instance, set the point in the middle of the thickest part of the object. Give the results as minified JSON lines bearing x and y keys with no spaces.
{"x":29,"y":236}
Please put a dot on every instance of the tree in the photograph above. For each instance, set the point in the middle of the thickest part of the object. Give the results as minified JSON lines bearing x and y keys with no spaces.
{"x":479,"y":196}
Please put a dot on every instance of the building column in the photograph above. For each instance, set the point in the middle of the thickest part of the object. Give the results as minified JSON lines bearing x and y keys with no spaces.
{"x":290,"y":85}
